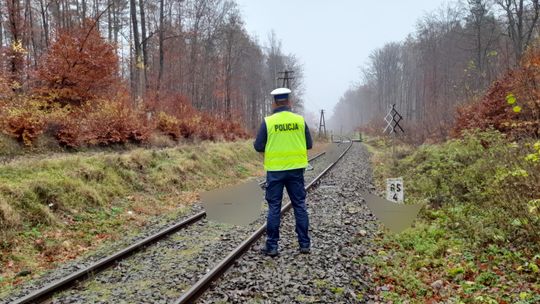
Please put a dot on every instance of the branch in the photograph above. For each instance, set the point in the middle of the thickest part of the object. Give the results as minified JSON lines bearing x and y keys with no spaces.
{"x":90,"y":31}
{"x":536,"y":7}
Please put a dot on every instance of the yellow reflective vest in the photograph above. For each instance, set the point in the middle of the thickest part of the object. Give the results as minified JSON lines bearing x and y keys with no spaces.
{"x":285,"y":142}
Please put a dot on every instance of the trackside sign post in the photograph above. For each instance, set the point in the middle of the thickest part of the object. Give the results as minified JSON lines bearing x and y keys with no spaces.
{"x":395,"y":190}
{"x":394,"y":186}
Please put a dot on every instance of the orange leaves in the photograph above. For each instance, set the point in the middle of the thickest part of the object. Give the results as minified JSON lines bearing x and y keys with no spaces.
{"x":511,"y":105}
{"x":22,"y":120}
{"x":25,"y":127}
{"x":168,"y":125}
{"x":91,"y":124}
{"x":178,"y":119}
{"x":198,"y":125}
{"x":103,"y":123}
{"x":79,"y":66}
{"x":531,"y":60}
{"x":79,"y":99}
{"x":108,"y":122}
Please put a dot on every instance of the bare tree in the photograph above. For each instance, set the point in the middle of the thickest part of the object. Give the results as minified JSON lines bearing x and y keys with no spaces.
{"x":16,"y":32}
{"x":485,"y":35}
{"x":137,"y":74}
{"x":453,"y":55}
{"x":144,"y":41}
{"x":161,"y":40}
{"x":196,"y":50}
{"x":522,"y":18}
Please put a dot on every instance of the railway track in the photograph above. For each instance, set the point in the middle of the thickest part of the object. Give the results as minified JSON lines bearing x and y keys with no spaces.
{"x":49,"y":290}
{"x":334,"y":271}
{"x":191,"y":295}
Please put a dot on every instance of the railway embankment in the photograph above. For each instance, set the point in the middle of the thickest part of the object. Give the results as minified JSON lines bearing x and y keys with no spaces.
{"x":58,"y":208}
{"x":342,"y":229}
{"x":476,"y":240}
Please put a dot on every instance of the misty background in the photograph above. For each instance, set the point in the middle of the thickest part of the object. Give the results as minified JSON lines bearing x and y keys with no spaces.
{"x":333,"y":40}
{"x":431,"y":60}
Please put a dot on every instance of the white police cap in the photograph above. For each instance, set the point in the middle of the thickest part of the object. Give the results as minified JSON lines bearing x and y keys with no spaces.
{"x":281,"y":94}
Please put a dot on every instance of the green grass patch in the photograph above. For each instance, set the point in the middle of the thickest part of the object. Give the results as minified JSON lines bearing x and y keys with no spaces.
{"x":57,"y":208}
{"x":477,"y":240}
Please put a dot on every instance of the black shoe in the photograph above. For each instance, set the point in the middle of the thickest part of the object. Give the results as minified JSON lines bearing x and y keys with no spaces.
{"x":270,"y":253}
{"x":305,"y":250}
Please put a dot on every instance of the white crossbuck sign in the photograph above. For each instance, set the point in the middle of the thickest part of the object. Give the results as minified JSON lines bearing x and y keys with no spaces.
{"x":393,"y":118}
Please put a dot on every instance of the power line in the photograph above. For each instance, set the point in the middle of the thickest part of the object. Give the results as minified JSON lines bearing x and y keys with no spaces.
{"x":322,"y":125}
{"x":286,"y":78}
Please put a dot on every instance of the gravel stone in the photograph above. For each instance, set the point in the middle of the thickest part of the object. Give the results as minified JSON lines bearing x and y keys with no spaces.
{"x":341,"y":228}
{"x":158,"y":273}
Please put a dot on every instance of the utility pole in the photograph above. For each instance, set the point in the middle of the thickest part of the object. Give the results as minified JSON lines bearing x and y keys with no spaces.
{"x":322,"y":125}
{"x":286,"y":77}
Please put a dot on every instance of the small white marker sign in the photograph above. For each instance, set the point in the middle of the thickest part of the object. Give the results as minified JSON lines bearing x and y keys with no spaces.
{"x":395,"y":190}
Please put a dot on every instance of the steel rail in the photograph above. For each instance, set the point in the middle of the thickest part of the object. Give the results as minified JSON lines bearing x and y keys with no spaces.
{"x":191,"y":295}
{"x":63,"y":283}
{"x":316,"y":156}
{"x":48,"y":290}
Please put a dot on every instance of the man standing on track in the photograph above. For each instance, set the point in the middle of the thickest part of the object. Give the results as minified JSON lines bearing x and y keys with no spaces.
{"x":284,"y":138}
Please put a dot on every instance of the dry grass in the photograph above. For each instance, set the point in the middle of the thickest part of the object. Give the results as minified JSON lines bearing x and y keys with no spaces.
{"x":56,"y":209}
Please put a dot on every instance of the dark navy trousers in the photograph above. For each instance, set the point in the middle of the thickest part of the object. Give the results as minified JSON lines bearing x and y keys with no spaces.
{"x":293,"y":181}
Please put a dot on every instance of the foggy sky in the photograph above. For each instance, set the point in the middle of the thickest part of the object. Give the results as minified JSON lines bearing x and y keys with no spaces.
{"x":333,"y":41}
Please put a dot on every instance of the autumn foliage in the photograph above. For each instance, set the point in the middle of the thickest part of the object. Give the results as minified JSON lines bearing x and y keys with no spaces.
{"x":79,"y":99}
{"x":102,"y":123}
{"x":23,"y":121}
{"x":79,"y":66}
{"x":178,"y":119}
{"x":511,"y":105}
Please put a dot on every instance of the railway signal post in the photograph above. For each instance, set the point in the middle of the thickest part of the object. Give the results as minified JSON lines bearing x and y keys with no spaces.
{"x":392,"y":119}
{"x":394,"y":191}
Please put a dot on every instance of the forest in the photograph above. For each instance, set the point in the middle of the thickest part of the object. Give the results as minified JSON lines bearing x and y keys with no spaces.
{"x":467,"y":83}
{"x":82,"y":73}
{"x":454,"y":72}
{"x":115,"y":115}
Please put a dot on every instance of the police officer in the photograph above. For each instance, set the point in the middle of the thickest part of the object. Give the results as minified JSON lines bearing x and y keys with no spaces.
{"x":284,"y":138}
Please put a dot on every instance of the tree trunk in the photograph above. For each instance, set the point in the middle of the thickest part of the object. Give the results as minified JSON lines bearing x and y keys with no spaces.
{"x":137,"y":88}
{"x":109,"y":21}
{"x":30,"y":31}
{"x":144,"y":44}
{"x":522,"y":23}
{"x":161,"y":37}
{"x":15,"y":28}
{"x":1,"y":31}
{"x":45,"y":23}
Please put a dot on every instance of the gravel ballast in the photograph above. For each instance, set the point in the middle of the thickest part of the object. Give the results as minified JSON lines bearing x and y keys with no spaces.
{"x":159,"y":273}
{"x":341,"y":229}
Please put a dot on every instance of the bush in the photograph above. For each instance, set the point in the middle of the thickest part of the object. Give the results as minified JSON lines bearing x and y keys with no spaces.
{"x":159,"y":140}
{"x":182,"y":121}
{"x":484,"y":182}
{"x":511,"y":105}
{"x":23,"y":120}
{"x":479,"y":234}
{"x":168,"y":125}
{"x":79,"y":66}
{"x":103,"y":123}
